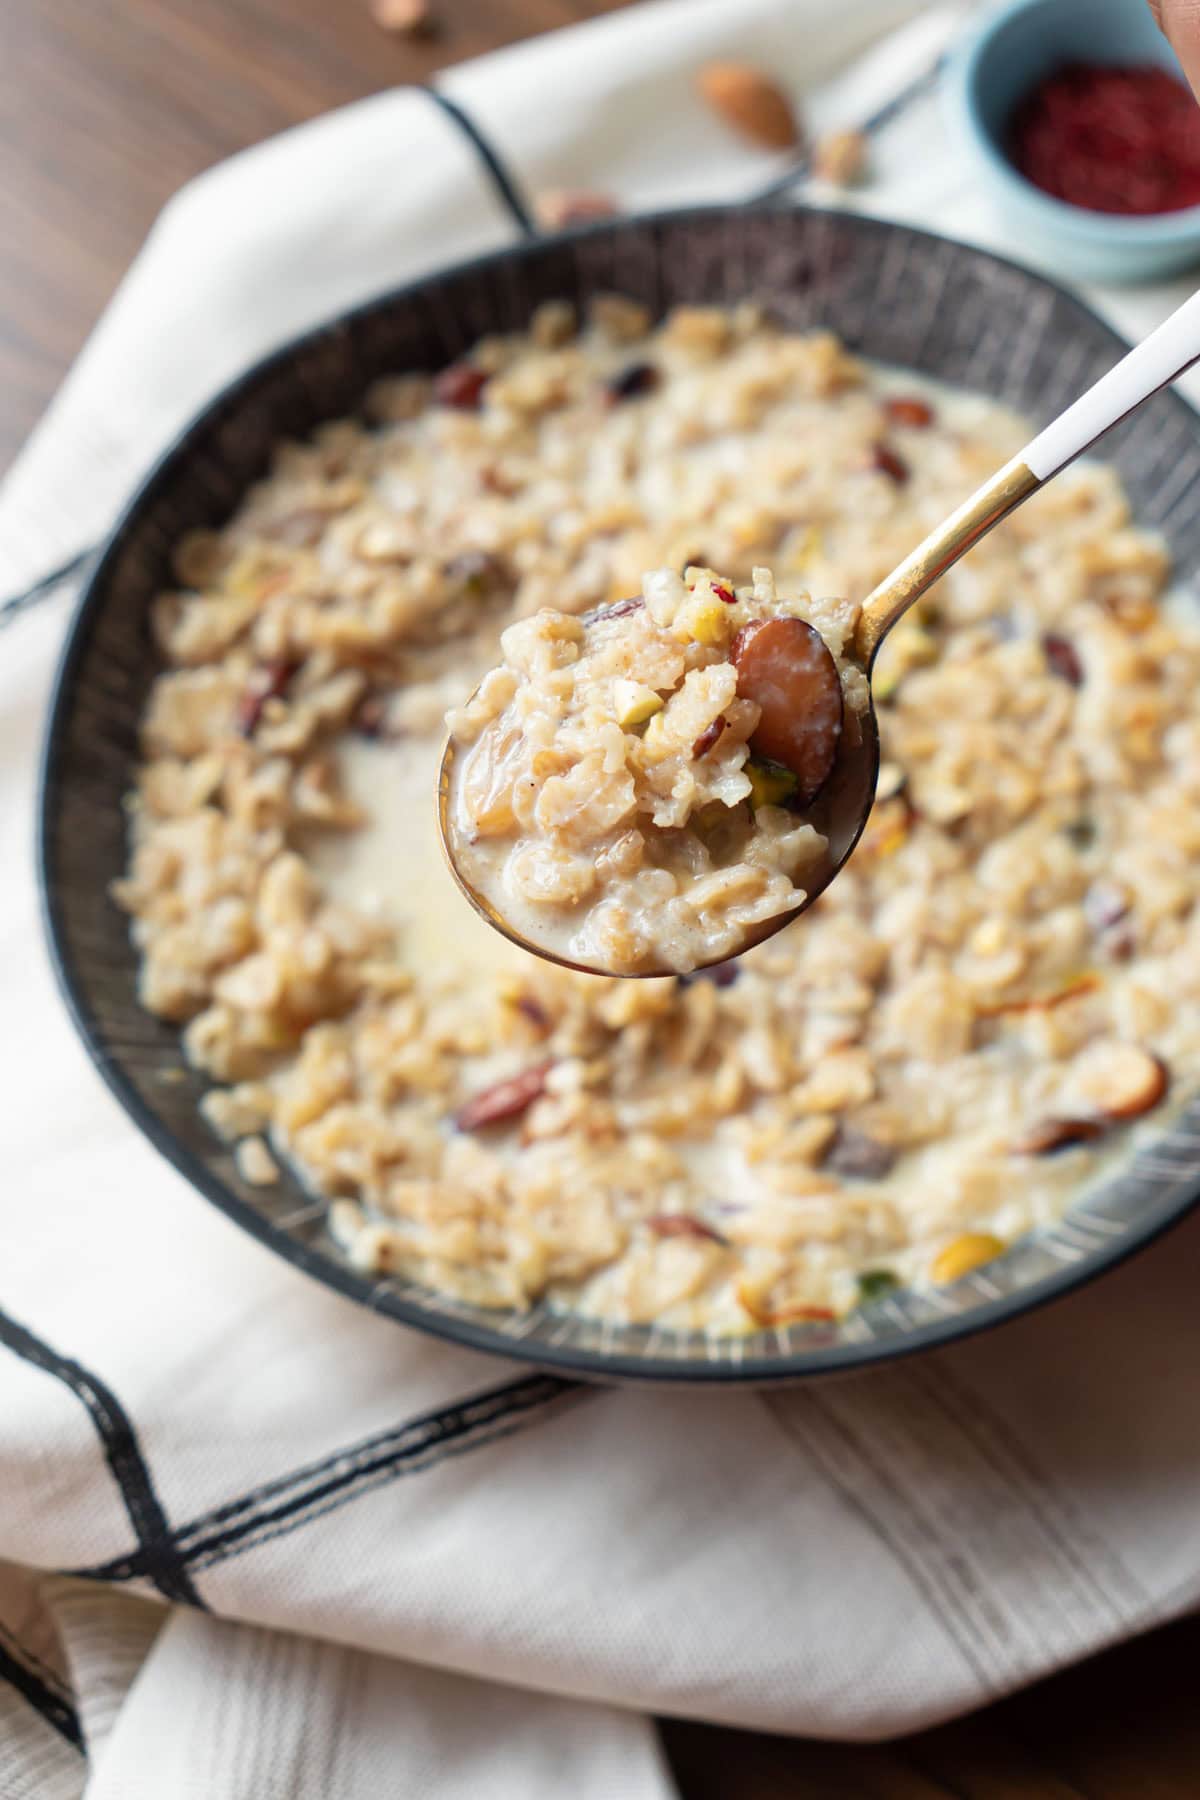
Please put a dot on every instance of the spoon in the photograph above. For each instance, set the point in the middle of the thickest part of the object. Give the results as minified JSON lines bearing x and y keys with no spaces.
{"x":846,"y":802}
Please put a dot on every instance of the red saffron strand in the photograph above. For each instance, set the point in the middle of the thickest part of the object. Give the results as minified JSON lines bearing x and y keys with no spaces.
{"x":1110,"y":139}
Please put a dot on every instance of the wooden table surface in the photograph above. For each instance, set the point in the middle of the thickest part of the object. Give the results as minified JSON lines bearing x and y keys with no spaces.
{"x":106,"y":106}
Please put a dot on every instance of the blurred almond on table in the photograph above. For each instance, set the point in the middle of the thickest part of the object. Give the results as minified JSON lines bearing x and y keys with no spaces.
{"x":409,"y":18}
{"x":750,"y":103}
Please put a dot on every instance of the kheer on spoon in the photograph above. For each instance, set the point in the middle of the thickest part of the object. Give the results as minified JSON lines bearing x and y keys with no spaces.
{"x":640,"y":790}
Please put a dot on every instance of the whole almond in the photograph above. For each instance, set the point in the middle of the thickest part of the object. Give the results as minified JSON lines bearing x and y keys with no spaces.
{"x":407,"y":18}
{"x":750,"y":104}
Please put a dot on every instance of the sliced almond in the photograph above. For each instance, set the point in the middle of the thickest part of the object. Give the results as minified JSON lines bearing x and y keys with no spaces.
{"x":763,"y":1313}
{"x":1085,"y":983}
{"x":670,"y":1225}
{"x":1120,"y":1081}
{"x":1051,"y":1135}
{"x":709,"y":738}
{"x":785,"y":667}
{"x":750,"y":104}
{"x":504,"y":1100}
{"x":884,"y":461}
{"x":268,"y":682}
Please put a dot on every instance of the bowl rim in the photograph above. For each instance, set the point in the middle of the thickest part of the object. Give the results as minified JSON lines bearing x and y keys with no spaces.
{"x":584,"y":1364}
{"x":964,"y":68}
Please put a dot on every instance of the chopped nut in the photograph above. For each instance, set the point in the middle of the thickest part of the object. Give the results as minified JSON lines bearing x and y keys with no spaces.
{"x":1086,"y":983}
{"x":750,"y":103}
{"x":763,"y":1314}
{"x":1051,"y":1135}
{"x":504,"y":1100}
{"x":638,"y":378}
{"x":965,"y":1253}
{"x":665,"y":1225}
{"x":1121,"y":1081}
{"x":617,"y":610}
{"x":884,"y":461}
{"x":267,"y":683}
{"x":770,"y":783}
{"x":534,"y":1011}
{"x":1063,"y":658}
{"x":460,"y":386}
{"x":634,"y":703}
{"x":704,"y":620}
{"x":840,"y":157}
{"x":785,"y":667}
{"x":873,"y":1284}
{"x":710,"y":736}
{"x":907,"y":410}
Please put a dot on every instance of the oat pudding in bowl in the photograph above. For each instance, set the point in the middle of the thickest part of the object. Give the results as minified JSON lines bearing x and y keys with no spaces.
{"x":637,"y":791}
{"x":961,"y":1035}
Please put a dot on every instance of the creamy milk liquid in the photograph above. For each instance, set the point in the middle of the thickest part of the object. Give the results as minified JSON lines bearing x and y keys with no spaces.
{"x":393,"y":868}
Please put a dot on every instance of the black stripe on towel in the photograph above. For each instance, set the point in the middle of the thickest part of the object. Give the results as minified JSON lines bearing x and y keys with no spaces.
{"x":317,"y":1488}
{"x":57,"y":1712}
{"x":498,"y":173}
{"x":160,"y":1561}
{"x":45,"y":585}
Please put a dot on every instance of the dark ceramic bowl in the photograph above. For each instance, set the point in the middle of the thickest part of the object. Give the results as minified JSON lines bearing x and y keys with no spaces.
{"x":894,"y":294}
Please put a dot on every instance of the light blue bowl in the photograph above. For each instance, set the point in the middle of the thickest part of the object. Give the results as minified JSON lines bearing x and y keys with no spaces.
{"x":1010,"y":49}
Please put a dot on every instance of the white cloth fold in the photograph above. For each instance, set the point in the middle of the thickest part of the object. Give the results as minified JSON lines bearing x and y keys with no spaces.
{"x":432,"y":1573}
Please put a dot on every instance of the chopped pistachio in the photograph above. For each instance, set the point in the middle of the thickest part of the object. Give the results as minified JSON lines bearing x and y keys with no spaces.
{"x":704,"y":619}
{"x":770,"y":783}
{"x":634,"y":703}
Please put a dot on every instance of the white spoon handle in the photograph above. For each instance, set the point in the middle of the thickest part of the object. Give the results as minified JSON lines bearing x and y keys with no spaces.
{"x":1149,"y":366}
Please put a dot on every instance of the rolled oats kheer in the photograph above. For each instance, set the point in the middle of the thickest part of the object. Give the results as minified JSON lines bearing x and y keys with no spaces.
{"x":610,"y":796}
{"x":961,"y":1032}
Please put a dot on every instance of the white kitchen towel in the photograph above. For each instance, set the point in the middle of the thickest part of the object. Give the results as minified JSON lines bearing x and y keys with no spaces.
{"x":341,"y":1559}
